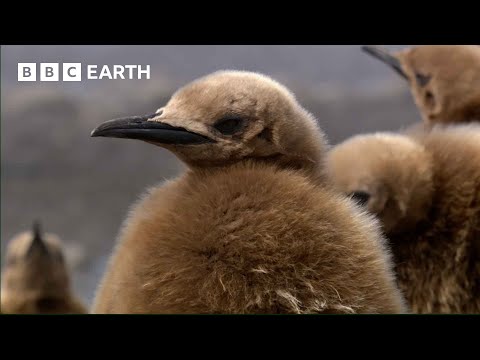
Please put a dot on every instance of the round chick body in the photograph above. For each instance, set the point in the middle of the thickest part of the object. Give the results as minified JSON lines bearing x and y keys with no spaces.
{"x":425,"y":189}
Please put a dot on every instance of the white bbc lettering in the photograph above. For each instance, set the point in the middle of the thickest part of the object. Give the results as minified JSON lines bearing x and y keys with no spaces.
{"x":92,"y":72}
{"x":105,"y":73}
{"x":72,"y":72}
{"x":49,"y":72}
{"x":27,"y":72}
{"x":146,"y":72}
{"x":116,"y":72}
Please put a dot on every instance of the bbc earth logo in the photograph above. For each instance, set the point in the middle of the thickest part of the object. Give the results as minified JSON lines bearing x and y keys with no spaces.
{"x":73,"y":72}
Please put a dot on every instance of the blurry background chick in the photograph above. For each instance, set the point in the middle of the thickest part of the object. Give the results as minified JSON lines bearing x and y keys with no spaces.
{"x":444,"y":79}
{"x":426,"y":191}
{"x":388,"y":173}
{"x":35,"y":278}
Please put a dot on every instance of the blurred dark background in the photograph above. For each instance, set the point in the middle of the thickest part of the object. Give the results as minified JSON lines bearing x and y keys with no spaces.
{"x":81,"y":188}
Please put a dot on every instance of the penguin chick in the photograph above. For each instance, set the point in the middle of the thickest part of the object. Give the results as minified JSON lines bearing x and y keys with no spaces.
{"x":233,"y":116}
{"x":444,"y":80}
{"x":390,"y":174}
{"x":35,"y":279}
{"x":425,"y":188}
{"x":243,"y":230}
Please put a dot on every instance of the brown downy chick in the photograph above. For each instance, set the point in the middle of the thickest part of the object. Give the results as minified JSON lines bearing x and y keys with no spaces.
{"x":247,"y":229}
{"x":425,"y":189}
{"x":35,"y":279}
{"x":444,"y":80}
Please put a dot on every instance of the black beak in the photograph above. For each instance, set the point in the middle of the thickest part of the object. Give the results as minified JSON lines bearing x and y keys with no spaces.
{"x":384,"y":56}
{"x":37,"y":243}
{"x":139,"y":128}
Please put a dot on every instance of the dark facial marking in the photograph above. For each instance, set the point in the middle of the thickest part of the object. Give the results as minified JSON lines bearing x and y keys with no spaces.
{"x":422,"y":80}
{"x":360,"y":197}
{"x":266,"y":134}
{"x":429,"y":98}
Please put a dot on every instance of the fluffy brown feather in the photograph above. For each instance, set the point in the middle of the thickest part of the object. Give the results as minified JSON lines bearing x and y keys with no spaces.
{"x":248,"y":239}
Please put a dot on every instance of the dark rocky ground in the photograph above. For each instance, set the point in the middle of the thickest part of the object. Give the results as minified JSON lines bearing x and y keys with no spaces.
{"x":81,"y":188}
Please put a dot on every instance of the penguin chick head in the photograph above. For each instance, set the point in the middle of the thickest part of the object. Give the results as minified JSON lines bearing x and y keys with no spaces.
{"x":388,"y":174}
{"x":444,"y":79}
{"x":35,"y":264}
{"x":226,"y":117}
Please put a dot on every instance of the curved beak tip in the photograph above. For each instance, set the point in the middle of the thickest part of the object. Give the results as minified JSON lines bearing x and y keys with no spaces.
{"x":365,"y":48}
{"x":386,"y":57}
{"x":97,"y":132}
{"x":376,"y":51}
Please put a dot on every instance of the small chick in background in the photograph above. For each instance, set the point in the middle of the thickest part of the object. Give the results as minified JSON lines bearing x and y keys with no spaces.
{"x":35,"y":278}
{"x":444,"y":80}
{"x":425,"y":189}
{"x":250,"y":227}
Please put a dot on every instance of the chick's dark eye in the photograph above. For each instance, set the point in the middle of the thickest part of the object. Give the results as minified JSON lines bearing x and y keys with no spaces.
{"x":360,"y":197}
{"x":229,"y":125}
{"x":429,"y":99}
{"x":422,"y":80}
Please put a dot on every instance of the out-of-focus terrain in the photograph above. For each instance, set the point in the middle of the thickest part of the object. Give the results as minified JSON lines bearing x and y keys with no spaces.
{"x":81,"y":188}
